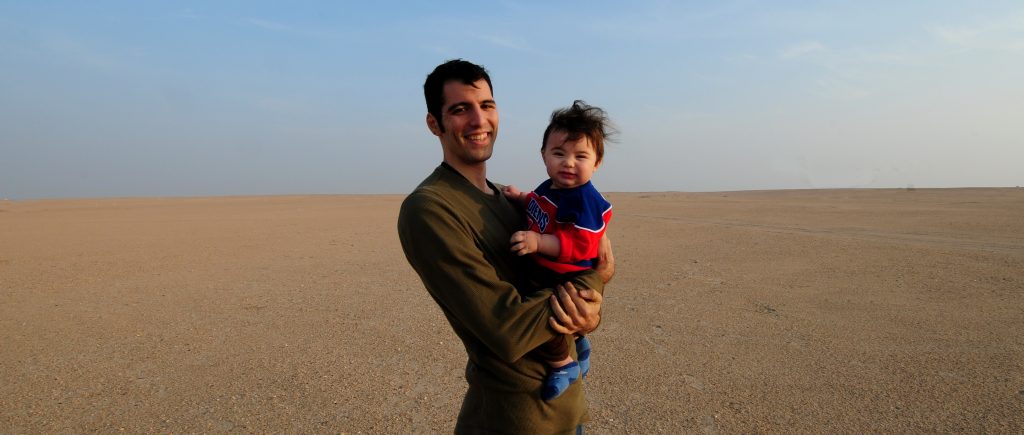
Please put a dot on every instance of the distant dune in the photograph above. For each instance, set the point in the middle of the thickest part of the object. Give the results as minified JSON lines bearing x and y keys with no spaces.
{"x":821,"y":311}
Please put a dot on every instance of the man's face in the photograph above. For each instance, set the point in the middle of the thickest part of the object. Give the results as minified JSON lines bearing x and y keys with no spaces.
{"x":470,"y":120}
{"x":570,"y":163}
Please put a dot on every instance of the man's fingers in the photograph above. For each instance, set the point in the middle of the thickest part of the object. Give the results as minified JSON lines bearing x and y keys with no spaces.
{"x":588,"y":310}
{"x":565,"y":295}
{"x":575,"y":310}
{"x":560,"y":314}
{"x":591,"y":295}
{"x":578,"y":302}
{"x":558,"y":327}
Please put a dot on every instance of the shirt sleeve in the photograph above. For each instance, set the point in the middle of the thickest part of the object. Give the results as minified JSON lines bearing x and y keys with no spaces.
{"x":578,"y":244}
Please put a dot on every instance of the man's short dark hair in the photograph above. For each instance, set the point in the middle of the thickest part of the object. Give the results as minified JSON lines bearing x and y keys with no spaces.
{"x":456,"y":69}
{"x":581,"y":119}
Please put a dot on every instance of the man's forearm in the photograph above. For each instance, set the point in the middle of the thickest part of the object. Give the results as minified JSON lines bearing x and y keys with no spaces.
{"x":605,"y":260}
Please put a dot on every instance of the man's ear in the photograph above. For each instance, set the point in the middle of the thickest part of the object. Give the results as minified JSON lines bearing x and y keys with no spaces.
{"x":432,"y":124}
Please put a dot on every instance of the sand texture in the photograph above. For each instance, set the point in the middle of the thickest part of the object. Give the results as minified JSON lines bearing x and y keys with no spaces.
{"x":822,"y":311}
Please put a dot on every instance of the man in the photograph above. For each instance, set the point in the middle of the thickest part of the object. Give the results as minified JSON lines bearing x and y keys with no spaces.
{"x":455,"y":230}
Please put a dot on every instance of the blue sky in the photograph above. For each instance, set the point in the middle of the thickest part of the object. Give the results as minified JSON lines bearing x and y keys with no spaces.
{"x":117,"y":98}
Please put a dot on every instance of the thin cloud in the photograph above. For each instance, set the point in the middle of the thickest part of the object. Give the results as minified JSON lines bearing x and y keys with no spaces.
{"x":666,"y":21}
{"x":517,"y":44}
{"x":308,"y":32}
{"x":187,"y":13}
{"x":514,"y":6}
{"x":741,"y":58}
{"x":802,"y":49}
{"x":281,"y":104}
{"x":269,"y":25}
{"x":305,"y":32}
{"x":1005,"y":33}
{"x":443,"y":50}
{"x":77,"y":51}
{"x":513,"y":43}
{"x":839,"y":89}
{"x":863,"y":55}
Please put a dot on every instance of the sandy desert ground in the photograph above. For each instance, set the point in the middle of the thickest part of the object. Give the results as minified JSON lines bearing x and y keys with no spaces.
{"x":777,"y":311}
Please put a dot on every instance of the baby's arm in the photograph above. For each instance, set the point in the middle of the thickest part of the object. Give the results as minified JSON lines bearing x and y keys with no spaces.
{"x":528,"y":242}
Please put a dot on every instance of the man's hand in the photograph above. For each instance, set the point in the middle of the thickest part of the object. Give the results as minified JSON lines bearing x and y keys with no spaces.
{"x":575,"y":311}
{"x":525,"y":242}
{"x":605,"y":260}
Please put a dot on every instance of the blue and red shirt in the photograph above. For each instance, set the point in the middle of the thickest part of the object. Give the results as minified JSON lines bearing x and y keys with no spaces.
{"x":577,"y":216}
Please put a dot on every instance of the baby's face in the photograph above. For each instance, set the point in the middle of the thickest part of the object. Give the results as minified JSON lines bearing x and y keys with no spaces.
{"x":570,"y":163}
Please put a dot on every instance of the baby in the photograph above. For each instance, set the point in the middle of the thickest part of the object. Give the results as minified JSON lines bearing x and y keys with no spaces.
{"x":566,"y":219}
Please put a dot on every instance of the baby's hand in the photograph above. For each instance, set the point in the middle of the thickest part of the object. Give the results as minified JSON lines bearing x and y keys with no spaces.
{"x":525,"y":242}
{"x":511,"y":192}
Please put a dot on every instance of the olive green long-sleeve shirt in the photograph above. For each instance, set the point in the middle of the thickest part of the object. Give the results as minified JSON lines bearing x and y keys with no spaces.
{"x":457,"y":239}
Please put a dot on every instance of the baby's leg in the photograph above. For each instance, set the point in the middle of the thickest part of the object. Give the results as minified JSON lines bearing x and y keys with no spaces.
{"x":583,"y":353}
{"x":554,"y":352}
{"x":564,"y":371}
{"x":560,"y":363}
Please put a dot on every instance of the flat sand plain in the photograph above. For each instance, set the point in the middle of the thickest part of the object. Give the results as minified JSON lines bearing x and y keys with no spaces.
{"x":769,"y":311}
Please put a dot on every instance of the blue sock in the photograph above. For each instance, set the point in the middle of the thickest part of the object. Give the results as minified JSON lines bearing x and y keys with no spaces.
{"x":559,"y":380}
{"x":583,"y":353}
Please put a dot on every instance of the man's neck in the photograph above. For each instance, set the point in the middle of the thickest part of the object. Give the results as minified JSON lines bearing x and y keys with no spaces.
{"x":475,"y":174}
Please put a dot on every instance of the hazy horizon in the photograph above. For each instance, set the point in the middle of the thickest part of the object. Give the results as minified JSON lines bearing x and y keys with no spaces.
{"x":606,"y":192}
{"x":185,"y":99}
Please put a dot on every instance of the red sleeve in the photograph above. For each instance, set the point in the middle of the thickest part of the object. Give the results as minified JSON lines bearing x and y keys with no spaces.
{"x":578,"y":244}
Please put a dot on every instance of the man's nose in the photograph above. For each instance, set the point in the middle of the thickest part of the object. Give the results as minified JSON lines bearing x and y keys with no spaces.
{"x":476,"y":116}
